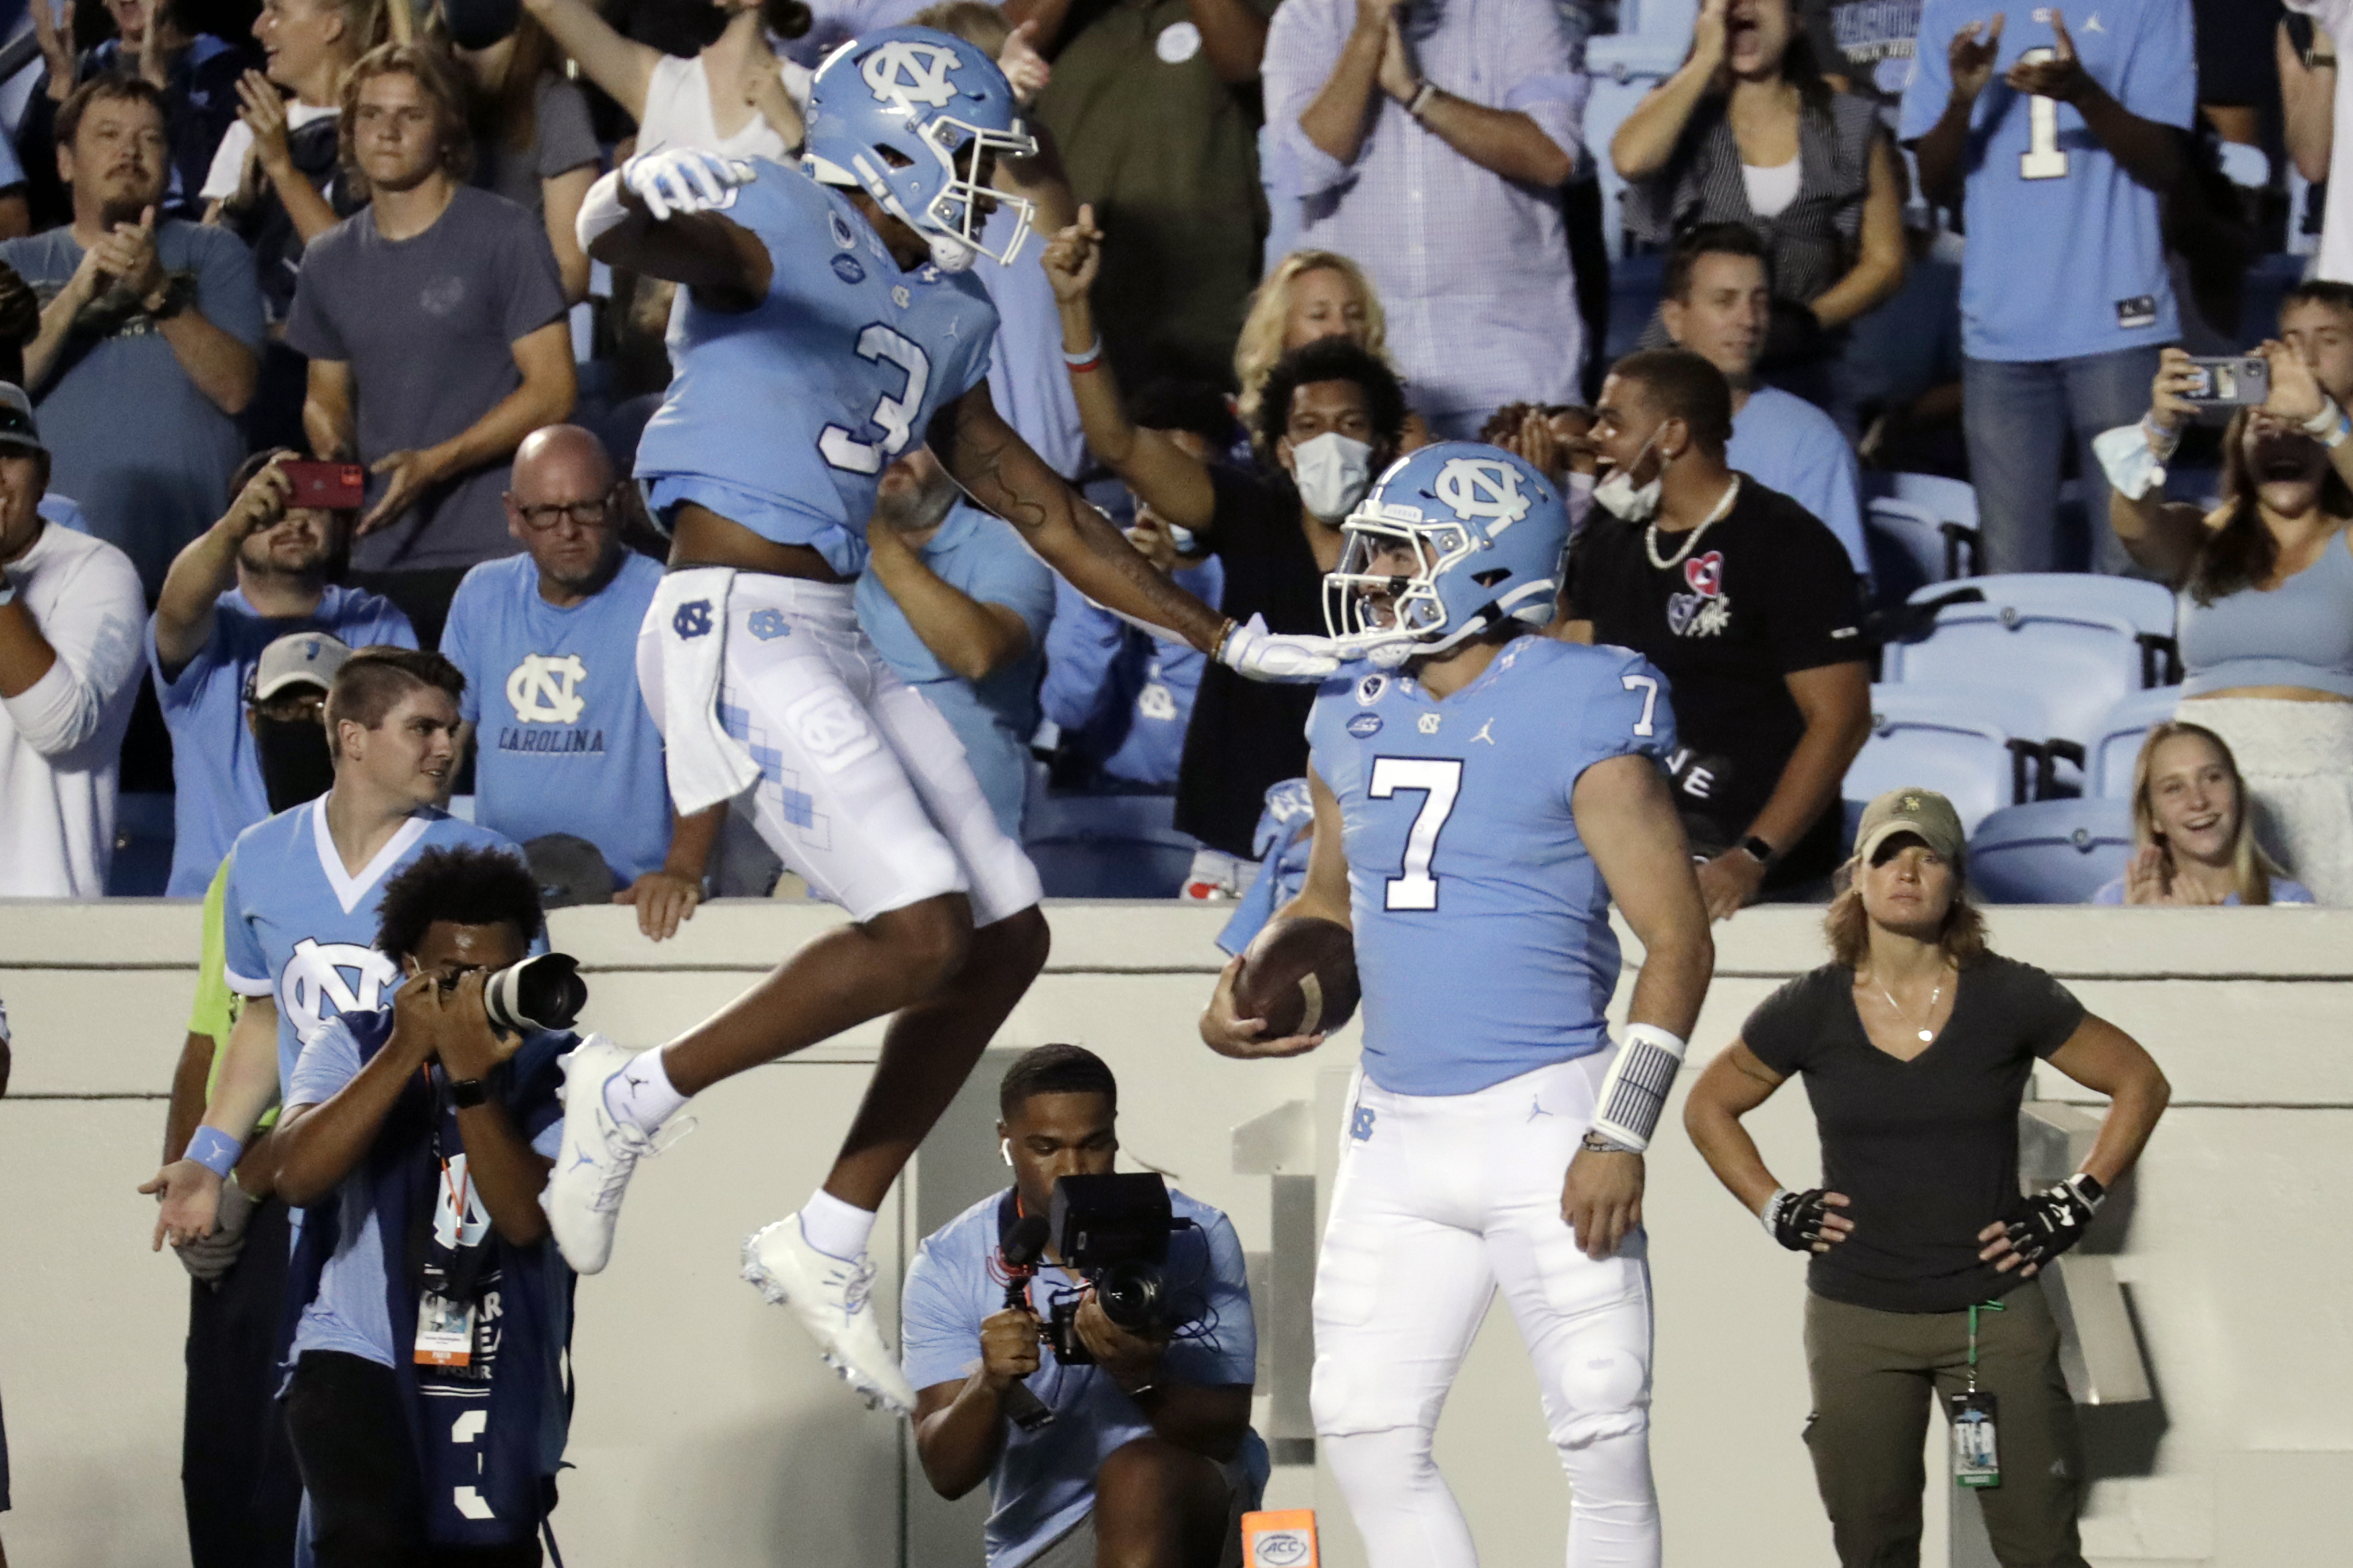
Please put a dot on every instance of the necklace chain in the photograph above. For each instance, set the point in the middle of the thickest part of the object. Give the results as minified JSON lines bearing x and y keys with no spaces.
{"x":1691,"y":540}
{"x":1921,"y":1029}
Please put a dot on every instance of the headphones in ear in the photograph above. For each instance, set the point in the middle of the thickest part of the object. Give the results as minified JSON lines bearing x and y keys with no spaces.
{"x":1005,"y":1150}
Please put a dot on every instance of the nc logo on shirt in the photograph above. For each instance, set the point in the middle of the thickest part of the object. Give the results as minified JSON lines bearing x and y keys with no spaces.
{"x":907,"y":73}
{"x":1156,"y":702}
{"x":545,"y":690}
{"x":451,"y":1229}
{"x":1360,"y":1126}
{"x":1481,"y":487}
{"x":694,"y":619}
{"x":768,"y":625}
{"x":322,"y":980}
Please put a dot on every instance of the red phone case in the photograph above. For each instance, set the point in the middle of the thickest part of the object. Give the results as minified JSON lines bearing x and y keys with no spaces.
{"x":335,"y":486}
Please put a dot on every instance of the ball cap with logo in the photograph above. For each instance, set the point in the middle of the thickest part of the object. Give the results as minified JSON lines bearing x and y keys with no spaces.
{"x":1921,"y":812}
{"x":18,"y":433}
{"x":298,"y":659}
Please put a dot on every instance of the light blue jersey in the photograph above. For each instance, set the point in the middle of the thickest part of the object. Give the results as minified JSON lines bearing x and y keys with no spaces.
{"x":782,"y":417}
{"x":2064,"y":255}
{"x":217,"y":775}
{"x":1787,"y":443}
{"x":302,"y":930}
{"x":1482,"y":927}
{"x":563,"y":742}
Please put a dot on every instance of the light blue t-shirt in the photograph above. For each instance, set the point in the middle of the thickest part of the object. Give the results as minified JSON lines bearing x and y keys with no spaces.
{"x":2064,"y":255}
{"x":1482,"y":925}
{"x":2284,"y":890}
{"x":1123,"y":696}
{"x":1043,"y":1482}
{"x":348,"y":1314}
{"x":215,"y":772}
{"x":1787,"y":443}
{"x":979,"y":556}
{"x":563,"y":742}
{"x":782,"y":417}
{"x":302,"y":930}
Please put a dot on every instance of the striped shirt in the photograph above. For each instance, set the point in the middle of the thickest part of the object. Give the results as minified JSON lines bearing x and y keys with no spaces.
{"x":1472,"y":268}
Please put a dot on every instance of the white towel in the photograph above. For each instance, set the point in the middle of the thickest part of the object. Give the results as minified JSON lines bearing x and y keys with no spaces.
{"x":706,"y":764}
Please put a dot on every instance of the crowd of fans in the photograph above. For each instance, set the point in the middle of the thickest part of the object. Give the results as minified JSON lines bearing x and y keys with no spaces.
{"x":1284,"y":244}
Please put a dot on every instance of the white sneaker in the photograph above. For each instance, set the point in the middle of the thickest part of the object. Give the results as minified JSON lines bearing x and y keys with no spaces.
{"x":834,"y":1301}
{"x":583,"y":1196}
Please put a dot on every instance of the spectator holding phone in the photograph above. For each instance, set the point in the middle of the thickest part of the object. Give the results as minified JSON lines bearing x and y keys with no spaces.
{"x":259,"y":573}
{"x":2194,"y":828}
{"x":2263,"y":593}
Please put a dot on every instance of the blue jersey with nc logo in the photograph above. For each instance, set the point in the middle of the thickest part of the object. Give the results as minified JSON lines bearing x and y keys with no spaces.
{"x":1483,"y":926}
{"x":784,"y":416}
{"x":302,"y":930}
{"x":563,"y":742}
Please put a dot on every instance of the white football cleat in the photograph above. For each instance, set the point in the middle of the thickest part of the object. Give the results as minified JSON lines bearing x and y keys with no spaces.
{"x":834,"y":1300}
{"x":583,"y":1196}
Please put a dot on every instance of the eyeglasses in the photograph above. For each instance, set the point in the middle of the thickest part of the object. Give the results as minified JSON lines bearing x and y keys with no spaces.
{"x":585,"y":513}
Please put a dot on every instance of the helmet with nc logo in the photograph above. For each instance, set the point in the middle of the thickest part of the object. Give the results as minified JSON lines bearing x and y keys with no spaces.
{"x":1453,"y":540}
{"x":911,"y":117}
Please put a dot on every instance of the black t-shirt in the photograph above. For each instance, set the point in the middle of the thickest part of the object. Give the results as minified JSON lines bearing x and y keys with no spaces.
{"x":1764,"y":593}
{"x":1247,"y":736}
{"x":1928,"y":1149}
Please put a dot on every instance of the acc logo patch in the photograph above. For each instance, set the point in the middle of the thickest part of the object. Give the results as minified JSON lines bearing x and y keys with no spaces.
{"x":545,"y":690}
{"x":839,"y":227}
{"x":1369,"y":689}
{"x":1364,"y":726}
{"x":693,"y":619}
{"x":768,"y":625}
{"x":1483,"y":486}
{"x":906,"y":73}
{"x":845,"y":267}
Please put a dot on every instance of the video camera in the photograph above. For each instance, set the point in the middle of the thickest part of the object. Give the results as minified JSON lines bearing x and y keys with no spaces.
{"x":1113,"y":1231}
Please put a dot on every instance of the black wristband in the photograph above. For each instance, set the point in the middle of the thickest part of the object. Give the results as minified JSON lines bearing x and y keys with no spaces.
{"x":466,"y":1093}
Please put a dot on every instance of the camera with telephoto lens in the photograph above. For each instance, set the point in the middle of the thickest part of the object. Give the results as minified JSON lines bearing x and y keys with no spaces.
{"x":543,"y":992}
{"x":1113,"y":1232}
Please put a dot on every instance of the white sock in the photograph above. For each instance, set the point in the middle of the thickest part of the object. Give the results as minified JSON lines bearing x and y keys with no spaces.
{"x":642,"y":1093}
{"x":836,"y":1228}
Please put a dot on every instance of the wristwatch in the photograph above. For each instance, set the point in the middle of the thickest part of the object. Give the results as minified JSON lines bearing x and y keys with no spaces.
{"x":466,"y":1093}
{"x":1757,"y":849}
{"x":1420,"y":101}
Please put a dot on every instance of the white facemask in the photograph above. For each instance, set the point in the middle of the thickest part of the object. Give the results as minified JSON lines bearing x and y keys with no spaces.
{"x":1620,"y":497}
{"x":1333,"y":473}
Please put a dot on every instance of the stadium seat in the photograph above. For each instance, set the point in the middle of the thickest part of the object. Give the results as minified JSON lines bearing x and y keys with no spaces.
{"x":2050,"y":851}
{"x":2081,"y":643}
{"x":1107,"y":846}
{"x":1949,"y":500}
{"x":2115,"y":747}
{"x":1979,"y":746}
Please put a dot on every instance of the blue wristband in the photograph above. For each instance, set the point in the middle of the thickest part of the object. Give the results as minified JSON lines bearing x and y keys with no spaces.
{"x":215,"y":1150}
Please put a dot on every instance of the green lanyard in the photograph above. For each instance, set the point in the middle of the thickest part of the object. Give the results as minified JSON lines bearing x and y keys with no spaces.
{"x":1975,"y":1308}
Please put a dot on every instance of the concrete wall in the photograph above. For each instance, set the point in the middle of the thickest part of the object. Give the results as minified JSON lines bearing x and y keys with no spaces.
{"x":708,"y":1433}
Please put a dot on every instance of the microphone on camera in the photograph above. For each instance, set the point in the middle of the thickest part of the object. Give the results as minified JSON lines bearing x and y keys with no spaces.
{"x":1024,"y":1243}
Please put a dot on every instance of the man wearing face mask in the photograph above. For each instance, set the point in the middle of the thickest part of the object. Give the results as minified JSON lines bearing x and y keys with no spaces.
{"x":256,"y":575}
{"x":1748,"y":604}
{"x":1333,"y":415}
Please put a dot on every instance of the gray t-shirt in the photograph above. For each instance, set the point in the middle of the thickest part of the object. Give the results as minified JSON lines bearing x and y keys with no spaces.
{"x":130,"y":437}
{"x":562,"y":141}
{"x":427,"y":325}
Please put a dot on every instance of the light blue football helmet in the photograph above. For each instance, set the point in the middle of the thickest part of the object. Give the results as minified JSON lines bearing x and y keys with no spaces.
{"x":1485,"y":532}
{"x":906,"y":115}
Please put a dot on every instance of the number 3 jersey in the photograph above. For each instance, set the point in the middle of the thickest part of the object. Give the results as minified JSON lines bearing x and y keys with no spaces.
{"x":782,"y":417}
{"x":1482,"y":925}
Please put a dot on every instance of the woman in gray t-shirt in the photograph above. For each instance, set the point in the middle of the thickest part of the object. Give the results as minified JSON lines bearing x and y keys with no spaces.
{"x":532,"y":141}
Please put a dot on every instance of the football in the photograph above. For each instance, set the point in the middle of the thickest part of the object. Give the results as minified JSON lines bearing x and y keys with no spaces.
{"x":1300,"y":976}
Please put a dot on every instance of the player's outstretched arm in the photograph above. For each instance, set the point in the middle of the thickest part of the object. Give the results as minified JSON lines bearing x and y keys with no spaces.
{"x":248,"y":1085}
{"x":659,"y":214}
{"x":1324,"y":895}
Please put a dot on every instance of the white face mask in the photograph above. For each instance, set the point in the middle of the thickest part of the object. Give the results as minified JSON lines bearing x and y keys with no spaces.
{"x":1620,"y":497}
{"x":1333,"y":473}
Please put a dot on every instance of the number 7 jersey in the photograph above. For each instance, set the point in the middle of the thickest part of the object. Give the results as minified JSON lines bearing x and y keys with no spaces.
{"x":1482,"y":925}
{"x":782,"y":417}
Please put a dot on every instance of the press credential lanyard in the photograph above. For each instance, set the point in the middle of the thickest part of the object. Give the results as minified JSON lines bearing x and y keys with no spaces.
{"x":1976,"y":1457}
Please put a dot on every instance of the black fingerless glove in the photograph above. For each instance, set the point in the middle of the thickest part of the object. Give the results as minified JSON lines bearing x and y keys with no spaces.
{"x":1795,"y":1220}
{"x":2055,"y":1219}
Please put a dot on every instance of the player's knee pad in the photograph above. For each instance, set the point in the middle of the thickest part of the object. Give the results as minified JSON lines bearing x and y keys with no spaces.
{"x":1601,"y":1394}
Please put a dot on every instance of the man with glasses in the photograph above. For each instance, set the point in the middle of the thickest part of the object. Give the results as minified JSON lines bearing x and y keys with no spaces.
{"x":547,"y":640}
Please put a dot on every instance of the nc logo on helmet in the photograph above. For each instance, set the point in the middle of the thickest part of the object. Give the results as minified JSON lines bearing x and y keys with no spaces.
{"x":908,"y":73}
{"x":1481,"y":486}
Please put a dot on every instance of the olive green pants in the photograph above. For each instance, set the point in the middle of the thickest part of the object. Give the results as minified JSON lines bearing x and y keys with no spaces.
{"x":1872,"y":1374}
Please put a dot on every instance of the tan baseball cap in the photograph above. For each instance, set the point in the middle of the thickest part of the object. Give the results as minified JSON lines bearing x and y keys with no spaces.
{"x":1922,"y":812}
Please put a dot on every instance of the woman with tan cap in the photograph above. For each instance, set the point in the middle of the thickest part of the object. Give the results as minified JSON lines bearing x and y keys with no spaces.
{"x":1924,"y":1251}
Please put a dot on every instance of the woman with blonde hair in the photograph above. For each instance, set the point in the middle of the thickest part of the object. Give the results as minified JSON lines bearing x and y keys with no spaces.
{"x":2192,"y":829}
{"x":1309,"y":294}
{"x":1917,"y":1044}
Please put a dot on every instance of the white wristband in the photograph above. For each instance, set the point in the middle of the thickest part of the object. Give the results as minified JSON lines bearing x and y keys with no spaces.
{"x":1635,"y":1092}
{"x":2329,"y":426}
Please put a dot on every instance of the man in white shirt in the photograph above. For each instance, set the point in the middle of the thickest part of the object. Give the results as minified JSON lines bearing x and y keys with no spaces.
{"x":70,"y":618}
{"x":1719,"y":303}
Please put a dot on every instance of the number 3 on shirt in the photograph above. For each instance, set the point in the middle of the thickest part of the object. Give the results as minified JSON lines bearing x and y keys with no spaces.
{"x":1440,"y":780}
{"x":896,"y":415}
{"x":2044,"y":159}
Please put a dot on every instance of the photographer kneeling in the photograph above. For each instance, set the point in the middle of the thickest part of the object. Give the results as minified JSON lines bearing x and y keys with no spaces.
{"x":1147,"y":1459}
{"x":417,"y":1138}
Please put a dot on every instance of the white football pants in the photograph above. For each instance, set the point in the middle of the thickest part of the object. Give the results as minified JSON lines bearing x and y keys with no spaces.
{"x":1440,"y":1199}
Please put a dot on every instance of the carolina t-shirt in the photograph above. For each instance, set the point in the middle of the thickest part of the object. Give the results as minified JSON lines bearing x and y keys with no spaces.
{"x":1759,"y":595}
{"x":1927,"y":1150}
{"x":427,"y":325}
